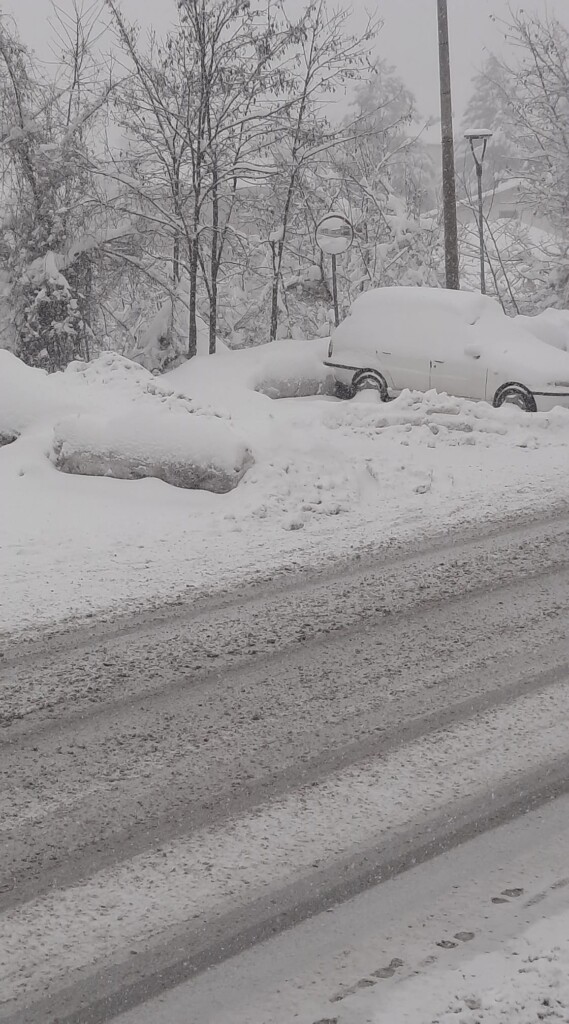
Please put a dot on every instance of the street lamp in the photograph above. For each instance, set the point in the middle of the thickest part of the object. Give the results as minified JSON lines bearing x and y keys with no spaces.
{"x":478,"y":138}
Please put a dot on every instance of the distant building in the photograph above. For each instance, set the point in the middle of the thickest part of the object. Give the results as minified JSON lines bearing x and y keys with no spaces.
{"x":504,"y":202}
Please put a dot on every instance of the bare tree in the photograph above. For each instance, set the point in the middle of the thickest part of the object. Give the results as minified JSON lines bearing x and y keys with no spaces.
{"x":327,"y":58}
{"x":198,"y":108}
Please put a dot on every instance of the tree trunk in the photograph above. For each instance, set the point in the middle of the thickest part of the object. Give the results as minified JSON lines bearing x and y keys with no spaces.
{"x":192,"y":327}
{"x":214,"y":263}
{"x":274,"y":295}
{"x":177,"y":233}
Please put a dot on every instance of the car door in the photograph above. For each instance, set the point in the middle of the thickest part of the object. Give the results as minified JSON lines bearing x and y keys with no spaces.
{"x":403,"y":353}
{"x":405,"y":368}
{"x":460,"y":371}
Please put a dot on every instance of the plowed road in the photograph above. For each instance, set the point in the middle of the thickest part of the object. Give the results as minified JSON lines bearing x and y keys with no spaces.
{"x":176,"y":788}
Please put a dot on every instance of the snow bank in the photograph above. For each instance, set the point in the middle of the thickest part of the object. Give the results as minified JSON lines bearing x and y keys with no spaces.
{"x":191,"y":451}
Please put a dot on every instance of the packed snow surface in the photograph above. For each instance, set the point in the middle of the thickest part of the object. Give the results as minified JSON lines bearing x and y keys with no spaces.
{"x":326,"y":478}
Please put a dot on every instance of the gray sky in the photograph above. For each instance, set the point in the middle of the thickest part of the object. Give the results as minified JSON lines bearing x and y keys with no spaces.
{"x":408,"y":39}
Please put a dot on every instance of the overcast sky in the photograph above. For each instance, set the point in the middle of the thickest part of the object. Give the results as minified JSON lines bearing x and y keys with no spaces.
{"x":408,"y":39}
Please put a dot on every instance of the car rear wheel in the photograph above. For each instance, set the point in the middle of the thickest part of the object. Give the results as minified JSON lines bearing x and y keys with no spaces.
{"x":370,"y":379}
{"x":343,"y":391}
{"x":515,"y":394}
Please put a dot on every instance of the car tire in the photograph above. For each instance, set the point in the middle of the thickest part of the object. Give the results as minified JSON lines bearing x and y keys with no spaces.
{"x":515,"y":394}
{"x":370,"y":379}
{"x":343,"y":391}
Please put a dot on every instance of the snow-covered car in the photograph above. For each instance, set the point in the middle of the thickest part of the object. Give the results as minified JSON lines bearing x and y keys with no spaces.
{"x":456,"y":342}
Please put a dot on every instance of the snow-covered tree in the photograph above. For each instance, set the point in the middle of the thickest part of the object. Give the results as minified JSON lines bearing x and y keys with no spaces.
{"x":47,"y":189}
{"x":524,"y":99}
{"x":491,"y":106}
{"x":327,"y":57}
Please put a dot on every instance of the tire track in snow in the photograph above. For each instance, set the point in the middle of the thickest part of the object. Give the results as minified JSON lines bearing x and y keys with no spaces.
{"x":219,"y":869}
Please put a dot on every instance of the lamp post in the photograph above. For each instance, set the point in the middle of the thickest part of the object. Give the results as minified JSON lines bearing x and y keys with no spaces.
{"x":479,"y":137}
{"x":447,"y":140}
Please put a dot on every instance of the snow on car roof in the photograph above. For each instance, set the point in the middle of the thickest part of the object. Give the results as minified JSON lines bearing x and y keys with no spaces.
{"x":468,"y":305}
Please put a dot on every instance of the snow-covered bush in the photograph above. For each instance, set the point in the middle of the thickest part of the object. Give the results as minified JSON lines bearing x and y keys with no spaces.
{"x":279,"y":369}
{"x":49,"y":324}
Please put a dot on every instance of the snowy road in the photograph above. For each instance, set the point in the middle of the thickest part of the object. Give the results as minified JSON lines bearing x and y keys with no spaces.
{"x":172,"y":791}
{"x":447,"y":937}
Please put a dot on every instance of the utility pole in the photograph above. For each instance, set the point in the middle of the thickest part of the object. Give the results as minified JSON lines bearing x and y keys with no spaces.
{"x":449,"y":188}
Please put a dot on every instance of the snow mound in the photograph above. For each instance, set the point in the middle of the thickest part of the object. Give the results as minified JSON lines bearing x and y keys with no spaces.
{"x":113,"y":381}
{"x":112,"y":370}
{"x":290,"y":369}
{"x":434,"y":420}
{"x":113,"y":418}
{"x":194,"y":452}
{"x":279,"y":369}
{"x":27,"y":395}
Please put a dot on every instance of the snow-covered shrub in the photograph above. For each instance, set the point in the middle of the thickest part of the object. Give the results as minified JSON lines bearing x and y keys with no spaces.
{"x":49,"y":324}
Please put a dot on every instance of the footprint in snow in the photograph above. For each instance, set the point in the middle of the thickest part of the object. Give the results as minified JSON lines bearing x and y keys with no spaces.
{"x":388,"y":972}
{"x":506,"y":895}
